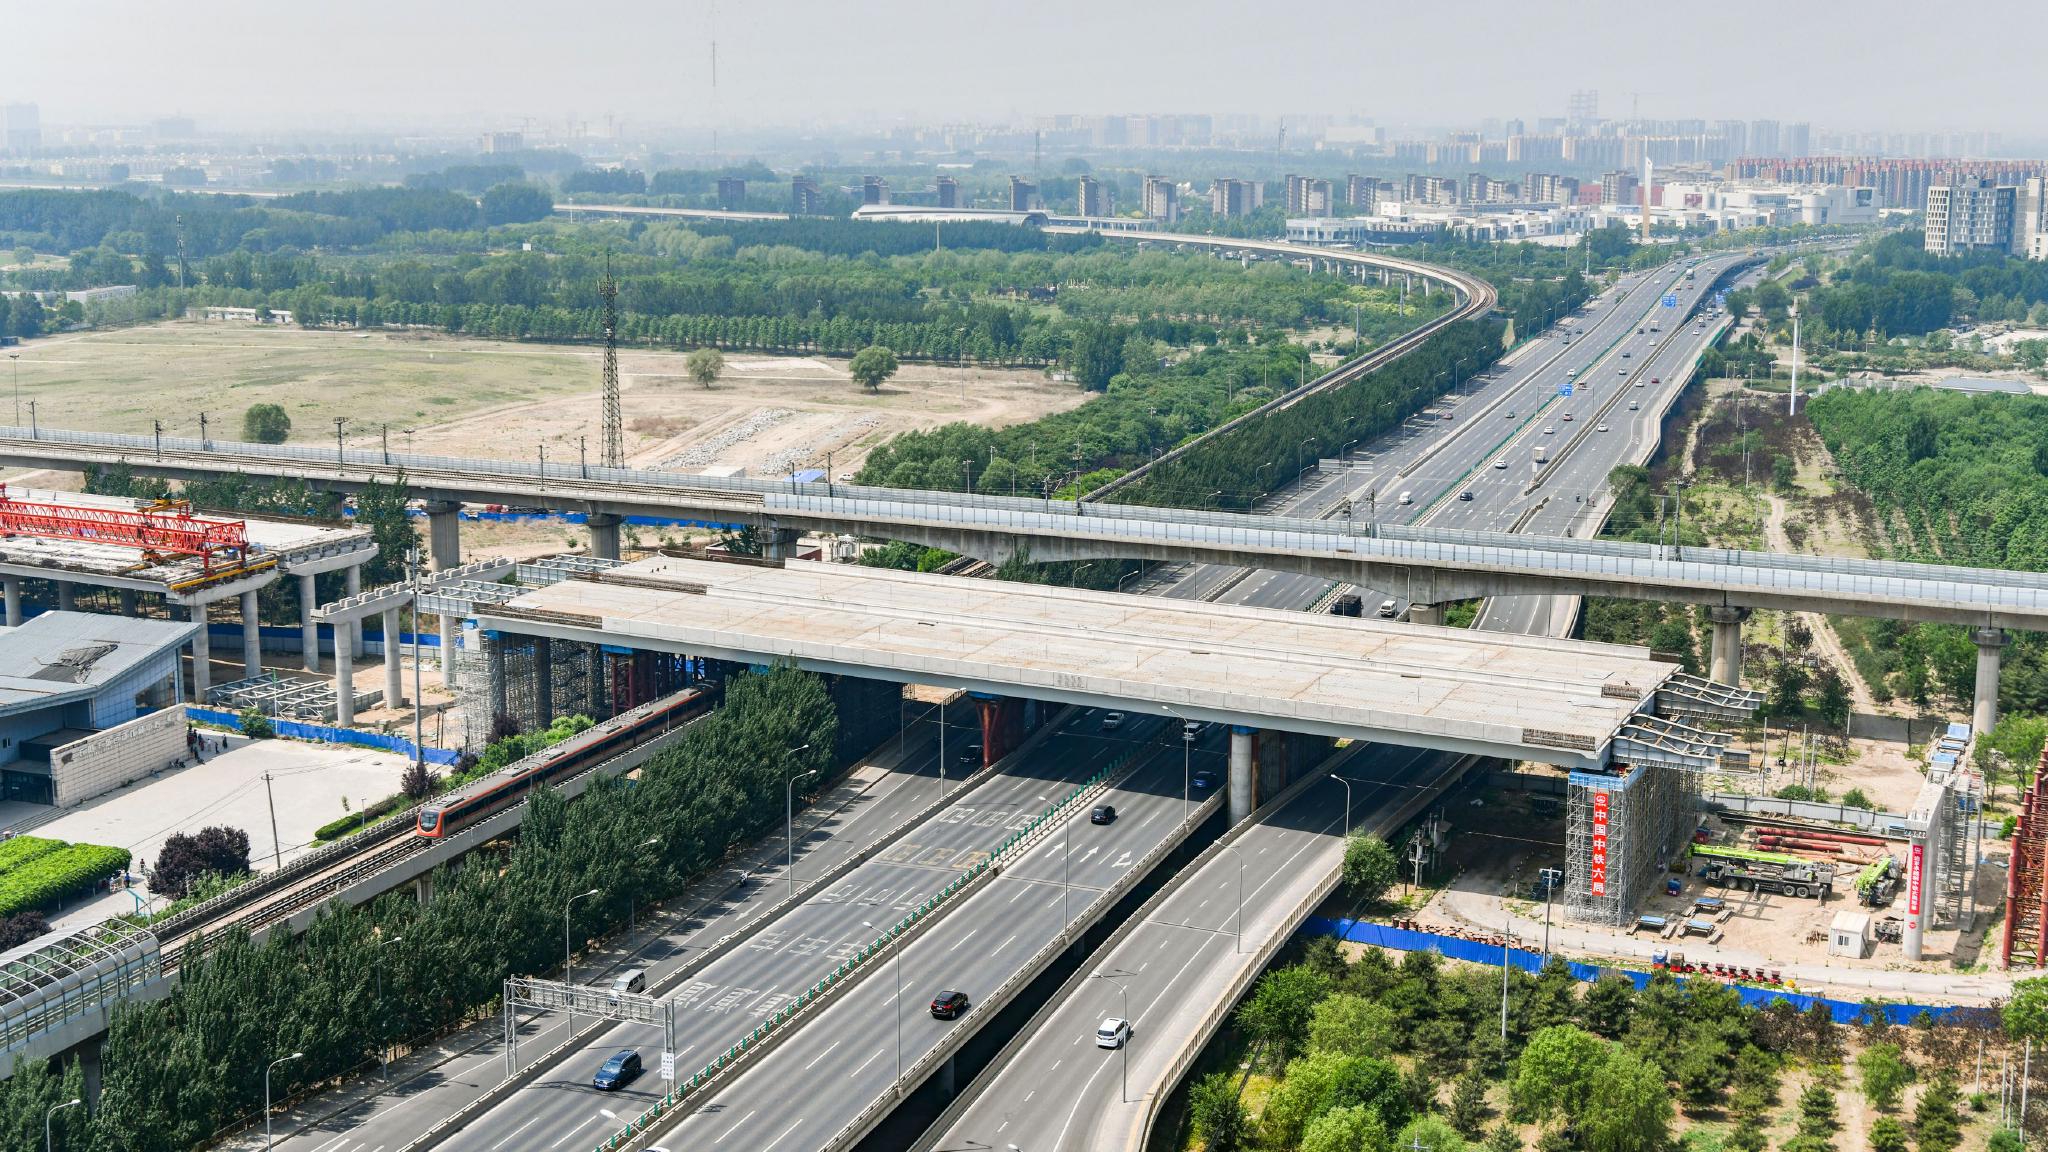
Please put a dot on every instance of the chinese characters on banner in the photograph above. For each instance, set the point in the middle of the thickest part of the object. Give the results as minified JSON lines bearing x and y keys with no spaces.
{"x":1913,"y":881}
{"x":1598,"y":876}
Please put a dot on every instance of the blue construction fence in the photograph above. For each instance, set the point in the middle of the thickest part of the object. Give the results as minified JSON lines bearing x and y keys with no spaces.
{"x":1476,"y":952}
{"x":300,"y":730}
{"x":226,"y":638}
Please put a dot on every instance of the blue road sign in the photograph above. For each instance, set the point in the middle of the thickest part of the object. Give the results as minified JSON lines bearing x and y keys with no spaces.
{"x":1564,"y":390}
{"x":1671,"y":301}
{"x":1720,"y":299}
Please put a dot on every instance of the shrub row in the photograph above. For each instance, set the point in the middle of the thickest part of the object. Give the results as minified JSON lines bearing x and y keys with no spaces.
{"x":49,"y":878}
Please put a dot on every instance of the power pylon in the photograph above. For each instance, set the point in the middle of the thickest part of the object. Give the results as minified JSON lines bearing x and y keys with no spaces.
{"x":614,"y":449}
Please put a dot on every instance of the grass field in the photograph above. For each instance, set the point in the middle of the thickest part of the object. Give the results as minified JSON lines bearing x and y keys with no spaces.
{"x":468,"y":397}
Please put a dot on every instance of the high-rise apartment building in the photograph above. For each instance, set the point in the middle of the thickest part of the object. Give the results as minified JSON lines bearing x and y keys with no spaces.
{"x":2030,"y":226}
{"x":1023,"y":194}
{"x":1161,"y":199}
{"x":493,"y":143}
{"x":1763,"y":138}
{"x":1970,"y":216}
{"x":1361,"y":194}
{"x":1236,"y":197}
{"x":732,"y":192}
{"x":1798,"y":140}
{"x":873,"y":190}
{"x":948,"y":192}
{"x":1620,"y":187}
{"x":803,"y":196}
{"x":1094,"y":198}
{"x":1307,"y":196}
{"x":1583,"y":110}
{"x":1549,"y":188}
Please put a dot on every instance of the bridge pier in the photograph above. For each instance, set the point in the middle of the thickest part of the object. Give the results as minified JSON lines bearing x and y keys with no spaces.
{"x":494,"y":672}
{"x":344,"y":684}
{"x":1724,"y":645}
{"x":444,"y":551}
{"x":202,"y":654}
{"x":1241,"y":769}
{"x":11,"y":587}
{"x":604,"y":535}
{"x":309,"y":629}
{"x":89,"y":1070}
{"x":423,"y":889}
{"x":354,"y":575}
{"x":778,"y":543}
{"x":66,"y":596}
{"x":252,"y":637}
{"x":949,"y":1078}
{"x":128,"y":602}
{"x":1425,"y":614}
{"x":543,"y":682}
{"x":1984,"y":713}
{"x":394,"y":671}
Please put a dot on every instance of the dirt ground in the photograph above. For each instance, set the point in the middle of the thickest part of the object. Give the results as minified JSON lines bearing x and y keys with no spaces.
{"x":460,"y":396}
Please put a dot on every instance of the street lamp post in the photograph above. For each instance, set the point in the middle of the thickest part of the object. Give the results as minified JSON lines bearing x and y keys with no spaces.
{"x":383,"y":1048}
{"x":898,"y":1012}
{"x":789,"y":821}
{"x":1114,"y":978}
{"x":267,"y":1069}
{"x":52,"y":1115}
{"x":1346,"y":782}
{"x":16,"y":358}
{"x":567,"y":967}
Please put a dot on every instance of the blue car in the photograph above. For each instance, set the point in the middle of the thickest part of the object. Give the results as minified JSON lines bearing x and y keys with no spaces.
{"x":1204,"y":780}
{"x":622,"y":1069}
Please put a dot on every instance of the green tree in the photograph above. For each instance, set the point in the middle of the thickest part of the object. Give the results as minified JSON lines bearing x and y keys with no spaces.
{"x":1936,"y":1127}
{"x":1629,"y":1107}
{"x":1468,"y":1104}
{"x":1885,"y":1075}
{"x":1503,"y":1137}
{"x":1555,"y":1073}
{"x":1817,"y":1125}
{"x":266,"y":424}
{"x":872,"y":366}
{"x":2026,"y":1013}
{"x":1702,"y":1071}
{"x":1605,"y":1007}
{"x":1320,"y":1081}
{"x":1370,"y":868}
{"x":1216,"y":1112}
{"x":1888,"y":1135}
{"x":1278,"y":1011}
{"x":704,"y":365}
{"x":1352,"y":1025}
{"x":516,"y":202}
{"x":1430,"y":1133}
{"x":1354,"y":1128}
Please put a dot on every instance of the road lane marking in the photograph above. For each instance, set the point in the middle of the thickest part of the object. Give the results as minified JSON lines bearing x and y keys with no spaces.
{"x":571,"y":1133}
{"x":1005,"y":944}
{"x":821,"y":1055}
{"x":785,"y":1132}
{"x":735,"y":1127}
{"x":964,"y":939}
{"x":515,"y":1134}
{"x":863,"y":1064}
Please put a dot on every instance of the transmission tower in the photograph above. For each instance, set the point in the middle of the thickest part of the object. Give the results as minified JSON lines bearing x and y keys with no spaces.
{"x":614,"y":419}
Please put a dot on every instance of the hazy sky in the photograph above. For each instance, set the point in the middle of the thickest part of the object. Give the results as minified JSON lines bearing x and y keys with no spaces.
{"x":462,"y":63}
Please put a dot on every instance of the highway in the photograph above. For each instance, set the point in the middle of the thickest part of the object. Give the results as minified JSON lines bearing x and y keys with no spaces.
{"x":848,"y":1056}
{"x":726,"y":999}
{"x":1052,"y":1073}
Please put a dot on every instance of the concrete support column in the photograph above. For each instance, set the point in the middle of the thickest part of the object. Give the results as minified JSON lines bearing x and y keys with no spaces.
{"x":1425,"y":614}
{"x":949,"y":1080}
{"x":11,"y":587}
{"x":778,"y":543}
{"x":309,"y":632}
{"x":1241,"y":769}
{"x":494,"y":662}
{"x":89,"y":1070}
{"x":1724,"y":645}
{"x":544,"y":681}
{"x":1919,"y":898}
{"x":604,"y":535}
{"x":394,"y":670}
{"x":354,"y":574}
{"x":202,"y":656}
{"x":444,"y":551}
{"x":65,"y":593}
{"x":128,"y":602}
{"x":1984,"y":716}
{"x":344,"y":683}
{"x":252,"y":637}
{"x":423,"y":889}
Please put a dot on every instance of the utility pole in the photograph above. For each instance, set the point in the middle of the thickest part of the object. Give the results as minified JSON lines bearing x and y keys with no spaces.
{"x":276,"y":849}
{"x":1793,"y":397}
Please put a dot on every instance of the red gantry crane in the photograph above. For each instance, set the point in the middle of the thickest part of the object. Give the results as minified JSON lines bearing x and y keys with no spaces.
{"x":163,"y":529}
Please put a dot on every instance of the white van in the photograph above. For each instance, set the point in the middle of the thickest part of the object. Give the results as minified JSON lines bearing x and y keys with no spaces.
{"x":1407,"y":497}
{"x":631,"y":982}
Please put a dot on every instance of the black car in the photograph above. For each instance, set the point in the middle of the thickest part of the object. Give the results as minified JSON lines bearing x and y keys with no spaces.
{"x":971,"y":755}
{"x":948,"y":1004}
{"x":1103,"y":814}
{"x":622,"y":1069}
{"x":1204,"y":780}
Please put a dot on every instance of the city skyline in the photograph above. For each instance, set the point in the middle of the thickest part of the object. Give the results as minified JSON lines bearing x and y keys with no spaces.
{"x":458,"y":66}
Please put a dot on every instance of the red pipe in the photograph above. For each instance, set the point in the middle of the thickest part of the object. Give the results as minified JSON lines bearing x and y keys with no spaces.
{"x":1835,"y":837}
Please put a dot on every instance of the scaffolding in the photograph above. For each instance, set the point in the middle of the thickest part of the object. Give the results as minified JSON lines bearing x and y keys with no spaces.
{"x":1621,"y":829}
{"x":533,"y":680}
{"x":2026,"y":928}
{"x":287,"y":698}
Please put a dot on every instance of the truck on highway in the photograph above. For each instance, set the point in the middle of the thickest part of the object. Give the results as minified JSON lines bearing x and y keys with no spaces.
{"x":1764,"y":871}
{"x":1542,"y":454}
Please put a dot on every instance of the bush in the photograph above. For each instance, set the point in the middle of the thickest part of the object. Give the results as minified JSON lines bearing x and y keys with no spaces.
{"x":21,"y":928}
{"x":257,"y":726}
{"x":215,"y":851}
{"x":1855,"y":798}
{"x":266,"y":424}
{"x":22,"y":849}
{"x":45,"y":880}
{"x":369,"y":813}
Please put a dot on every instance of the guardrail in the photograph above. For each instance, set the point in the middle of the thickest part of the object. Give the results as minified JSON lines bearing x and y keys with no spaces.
{"x":770,"y":1033}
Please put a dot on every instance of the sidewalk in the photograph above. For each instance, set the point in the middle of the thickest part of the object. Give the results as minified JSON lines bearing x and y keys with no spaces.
{"x":460,"y":1066}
